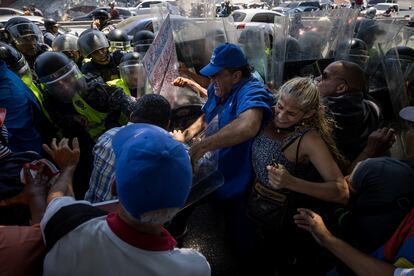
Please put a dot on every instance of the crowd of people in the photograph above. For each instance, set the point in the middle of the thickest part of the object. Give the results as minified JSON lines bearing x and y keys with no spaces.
{"x":95,"y":179}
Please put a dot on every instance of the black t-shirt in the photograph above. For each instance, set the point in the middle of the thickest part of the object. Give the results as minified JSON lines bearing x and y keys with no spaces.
{"x":380,"y":190}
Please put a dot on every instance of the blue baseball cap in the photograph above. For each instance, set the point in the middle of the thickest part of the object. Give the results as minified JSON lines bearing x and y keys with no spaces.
{"x":226,"y":55}
{"x":152,"y":170}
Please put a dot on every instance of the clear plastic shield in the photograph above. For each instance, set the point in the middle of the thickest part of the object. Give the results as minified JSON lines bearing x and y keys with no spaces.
{"x":395,"y":79}
{"x":197,"y":8}
{"x":305,"y":43}
{"x":379,"y":37}
{"x":206,"y":178}
{"x":252,"y":42}
{"x":195,"y":39}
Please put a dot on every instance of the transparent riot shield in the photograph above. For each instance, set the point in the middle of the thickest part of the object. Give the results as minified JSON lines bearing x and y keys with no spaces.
{"x":379,"y":37}
{"x":197,"y":8}
{"x":206,"y":178}
{"x":398,"y":65}
{"x":395,"y":69}
{"x":252,"y":42}
{"x":309,"y":42}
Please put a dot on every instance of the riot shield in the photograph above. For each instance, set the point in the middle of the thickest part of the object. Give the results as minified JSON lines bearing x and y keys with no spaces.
{"x":252,"y":42}
{"x":397,"y":64}
{"x":206,"y":178}
{"x":397,"y":69}
{"x":197,"y":8}
{"x":309,"y":42}
{"x":380,"y":37}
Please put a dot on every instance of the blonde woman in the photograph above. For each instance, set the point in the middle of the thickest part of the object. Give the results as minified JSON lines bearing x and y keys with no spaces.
{"x":296,"y":140}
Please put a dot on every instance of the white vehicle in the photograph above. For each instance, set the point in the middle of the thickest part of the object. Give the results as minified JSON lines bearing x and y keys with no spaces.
{"x":145,"y":6}
{"x":10,"y":11}
{"x":382,"y":8}
{"x":254,"y":17}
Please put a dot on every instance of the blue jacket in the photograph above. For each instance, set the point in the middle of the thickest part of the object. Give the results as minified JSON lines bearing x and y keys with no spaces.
{"x":21,"y":106}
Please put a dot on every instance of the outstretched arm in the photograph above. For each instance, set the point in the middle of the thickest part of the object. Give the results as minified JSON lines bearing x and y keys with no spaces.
{"x":67,"y":159}
{"x":359,"y":262}
{"x":241,"y":129}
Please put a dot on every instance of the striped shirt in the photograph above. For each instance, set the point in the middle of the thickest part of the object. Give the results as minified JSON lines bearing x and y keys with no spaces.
{"x":4,"y":149}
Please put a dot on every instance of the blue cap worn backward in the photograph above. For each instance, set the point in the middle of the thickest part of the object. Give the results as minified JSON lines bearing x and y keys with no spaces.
{"x":226,"y":55}
{"x":152,"y":170}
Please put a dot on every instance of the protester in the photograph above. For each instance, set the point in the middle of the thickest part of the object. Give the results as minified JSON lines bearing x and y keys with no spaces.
{"x":297,"y":140}
{"x":360,"y":263}
{"x":153,"y":179}
{"x":341,"y":86}
{"x":150,"y":109}
{"x":22,"y":109}
{"x":237,"y":104}
{"x":23,"y":249}
{"x":113,"y":12}
{"x":381,"y":193}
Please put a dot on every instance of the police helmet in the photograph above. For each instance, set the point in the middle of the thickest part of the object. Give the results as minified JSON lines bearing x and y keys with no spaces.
{"x":142,"y":40}
{"x":49,"y":23}
{"x":119,"y":40}
{"x":20,"y":30}
{"x":60,"y":75}
{"x":91,"y":41}
{"x":65,"y":42}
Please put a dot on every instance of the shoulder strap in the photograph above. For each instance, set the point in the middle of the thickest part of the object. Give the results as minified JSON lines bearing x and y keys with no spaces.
{"x":67,"y":219}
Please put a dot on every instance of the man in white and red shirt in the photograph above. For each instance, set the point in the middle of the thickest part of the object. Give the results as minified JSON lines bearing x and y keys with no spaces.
{"x":153,"y":178}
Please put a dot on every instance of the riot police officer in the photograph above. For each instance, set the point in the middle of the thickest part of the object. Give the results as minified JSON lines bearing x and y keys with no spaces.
{"x":26,"y":37}
{"x":101,"y":21}
{"x":133,"y":77}
{"x":142,"y":41}
{"x":94,"y":44}
{"x":68,"y":44}
{"x":51,"y":32}
{"x":119,"y":40}
{"x":73,"y":99}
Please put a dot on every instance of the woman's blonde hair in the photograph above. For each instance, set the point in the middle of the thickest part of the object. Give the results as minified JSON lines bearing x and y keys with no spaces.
{"x":304,"y":89}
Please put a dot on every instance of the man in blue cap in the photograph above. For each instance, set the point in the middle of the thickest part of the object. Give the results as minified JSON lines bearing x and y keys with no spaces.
{"x":239,"y":103}
{"x":153,"y":179}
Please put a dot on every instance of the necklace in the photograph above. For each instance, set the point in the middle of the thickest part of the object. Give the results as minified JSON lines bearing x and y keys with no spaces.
{"x":286,"y":130}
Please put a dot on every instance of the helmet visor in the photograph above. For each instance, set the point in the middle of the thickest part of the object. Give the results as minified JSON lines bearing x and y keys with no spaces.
{"x":26,"y":33}
{"x":64,"y":83}
{"x":133,"y":74}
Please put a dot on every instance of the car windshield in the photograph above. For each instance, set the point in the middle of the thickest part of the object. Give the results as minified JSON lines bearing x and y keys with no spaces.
{"x":382,"y":7}
{"x":283,"y":5}
{"x":293,"y":5}
{"x":238,"y":16}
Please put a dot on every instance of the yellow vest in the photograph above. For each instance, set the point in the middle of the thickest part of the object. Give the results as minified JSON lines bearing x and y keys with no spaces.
{"x":39,"y":97}
{"x":119,"y":83}
{"x":96,"y":119}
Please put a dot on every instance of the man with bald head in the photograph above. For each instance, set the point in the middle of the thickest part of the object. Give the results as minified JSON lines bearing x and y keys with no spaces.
{"x":341,"y":85}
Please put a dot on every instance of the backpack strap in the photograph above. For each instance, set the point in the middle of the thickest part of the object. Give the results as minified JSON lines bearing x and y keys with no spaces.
{"x":67,"y":219}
